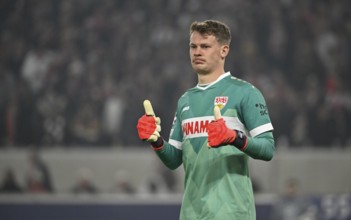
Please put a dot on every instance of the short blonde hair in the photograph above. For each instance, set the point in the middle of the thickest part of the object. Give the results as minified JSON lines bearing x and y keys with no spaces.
{"x":212,"y":27}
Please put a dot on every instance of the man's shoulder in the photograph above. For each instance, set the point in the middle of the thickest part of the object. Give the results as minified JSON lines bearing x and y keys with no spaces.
{"x":240,"y":84}
{"x":189,"y":92}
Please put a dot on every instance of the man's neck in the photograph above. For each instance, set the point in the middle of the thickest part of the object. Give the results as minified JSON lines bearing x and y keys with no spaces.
{"x":204,"y":79}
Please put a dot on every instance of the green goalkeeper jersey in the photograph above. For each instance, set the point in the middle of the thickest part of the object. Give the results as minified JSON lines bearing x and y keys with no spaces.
{"x":217,"y":182}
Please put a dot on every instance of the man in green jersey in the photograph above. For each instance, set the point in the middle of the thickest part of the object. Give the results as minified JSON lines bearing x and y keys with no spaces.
{"x":218,"y":125}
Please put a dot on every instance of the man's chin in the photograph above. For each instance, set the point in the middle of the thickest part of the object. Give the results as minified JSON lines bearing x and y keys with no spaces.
{"x":201,"y":72}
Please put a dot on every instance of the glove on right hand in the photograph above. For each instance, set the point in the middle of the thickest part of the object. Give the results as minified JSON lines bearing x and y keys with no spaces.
{"x":148,"y":125}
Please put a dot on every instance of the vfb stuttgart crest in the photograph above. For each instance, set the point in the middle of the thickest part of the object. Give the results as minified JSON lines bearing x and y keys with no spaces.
{"x":221,"y":101}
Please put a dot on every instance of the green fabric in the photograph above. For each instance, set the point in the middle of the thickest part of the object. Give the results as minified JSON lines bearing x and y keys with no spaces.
{"x":261,"y":147}
{"x":217,"y":182}
{"x":170,"y":156}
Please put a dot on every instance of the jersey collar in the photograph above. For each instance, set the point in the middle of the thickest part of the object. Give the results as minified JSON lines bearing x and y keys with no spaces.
{"x":206,"y":86}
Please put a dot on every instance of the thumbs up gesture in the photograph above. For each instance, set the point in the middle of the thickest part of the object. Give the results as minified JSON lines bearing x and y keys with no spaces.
{"x":149,"y":125}
{"x":218,"y":133}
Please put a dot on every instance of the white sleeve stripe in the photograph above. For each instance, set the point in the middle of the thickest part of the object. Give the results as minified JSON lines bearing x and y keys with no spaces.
{"x":260,"y":129}
{"x":176,"y":144}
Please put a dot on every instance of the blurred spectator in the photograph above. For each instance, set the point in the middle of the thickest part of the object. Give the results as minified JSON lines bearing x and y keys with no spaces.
{"x":161,"y":181}
{"x":38,"y":177}
{"x":168,"y":178}
{"x":155,"y":185}
{"x":7,"y":107}
{"x":35,"y":68}
{"x":122,"y":184}
{"x":292,"y":206}
{"x":51,"y":107}
{"x":335,"y":207}
{"x":256,"y":186}
{"x":86,"y":127}
{"x":112,"y":115}
{"x":9,"y":183}
{"x":84,"y":183}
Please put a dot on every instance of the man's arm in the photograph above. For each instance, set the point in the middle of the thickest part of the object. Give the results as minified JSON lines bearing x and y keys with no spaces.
{"x":149,"y":127}
{"x":258,"y":147}
{"x":261,"y":147}
{"x":169,"y":155}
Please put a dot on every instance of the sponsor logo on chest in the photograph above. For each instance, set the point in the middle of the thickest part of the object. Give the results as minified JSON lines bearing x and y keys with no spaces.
{"x":196,"y":127}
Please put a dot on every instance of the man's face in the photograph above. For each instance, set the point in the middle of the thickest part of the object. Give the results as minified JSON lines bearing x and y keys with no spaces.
{"x":206,"y":54}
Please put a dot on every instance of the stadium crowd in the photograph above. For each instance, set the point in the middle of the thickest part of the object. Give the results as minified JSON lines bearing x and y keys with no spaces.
{"x":75,"y":73}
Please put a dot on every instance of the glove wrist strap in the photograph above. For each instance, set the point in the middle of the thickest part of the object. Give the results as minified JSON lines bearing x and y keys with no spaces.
{"x":157,"y":145}
{"x":240,"y":140}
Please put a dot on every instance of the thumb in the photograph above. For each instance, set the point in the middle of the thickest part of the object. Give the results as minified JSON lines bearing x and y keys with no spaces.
{"x":148,"y":108}
{"x":150,"y":112}
{"x":217,"y":113}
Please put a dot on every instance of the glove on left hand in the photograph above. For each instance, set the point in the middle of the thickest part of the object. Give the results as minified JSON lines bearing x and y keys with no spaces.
{"x":219,"y":134}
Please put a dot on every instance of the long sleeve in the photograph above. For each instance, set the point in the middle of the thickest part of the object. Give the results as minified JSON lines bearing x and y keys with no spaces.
{"x":261,"y":147}
{"x":170,"y":156}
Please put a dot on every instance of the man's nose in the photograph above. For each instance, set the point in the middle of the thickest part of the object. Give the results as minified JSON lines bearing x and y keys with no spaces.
{"x":197,"y":52}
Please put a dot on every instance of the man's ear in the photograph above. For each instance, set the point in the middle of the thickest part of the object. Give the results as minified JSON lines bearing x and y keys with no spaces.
{"x":224,"y":51}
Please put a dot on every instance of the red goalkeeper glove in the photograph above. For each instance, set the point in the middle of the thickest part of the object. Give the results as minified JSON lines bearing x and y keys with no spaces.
{"x":149,"y":126}
{"x":219,"y":134}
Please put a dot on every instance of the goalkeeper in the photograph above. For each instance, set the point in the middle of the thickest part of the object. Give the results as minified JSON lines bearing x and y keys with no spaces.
{"x":218,"y":125}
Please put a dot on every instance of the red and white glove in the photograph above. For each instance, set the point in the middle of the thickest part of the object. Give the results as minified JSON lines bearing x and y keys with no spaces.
{"x":148,"y":125}
{"x":219,"y":134}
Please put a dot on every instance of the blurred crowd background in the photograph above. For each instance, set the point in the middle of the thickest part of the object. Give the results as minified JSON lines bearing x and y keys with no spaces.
{"x":75,"y":73}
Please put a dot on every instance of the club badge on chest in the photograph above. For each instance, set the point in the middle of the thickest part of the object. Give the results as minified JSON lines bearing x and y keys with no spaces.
{"x":221,"y":101}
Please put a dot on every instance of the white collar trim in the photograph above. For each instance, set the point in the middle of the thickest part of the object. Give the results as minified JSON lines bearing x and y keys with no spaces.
{"x":206,"y":86}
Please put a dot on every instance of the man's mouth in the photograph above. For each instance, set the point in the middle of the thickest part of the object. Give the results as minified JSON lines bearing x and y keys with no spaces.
{"x":198,"y":61}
